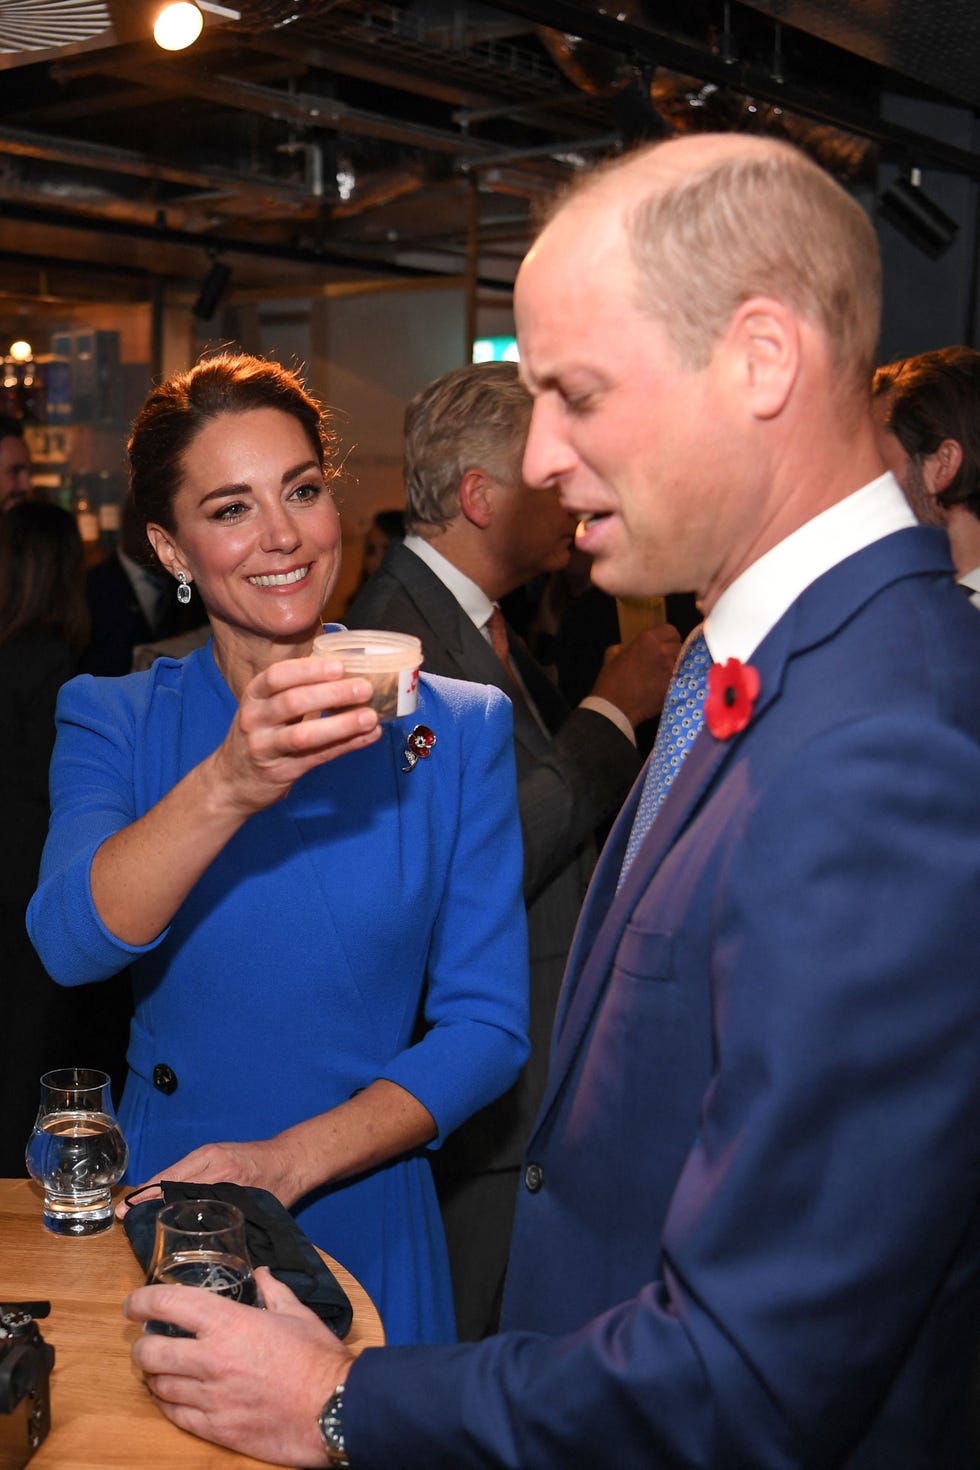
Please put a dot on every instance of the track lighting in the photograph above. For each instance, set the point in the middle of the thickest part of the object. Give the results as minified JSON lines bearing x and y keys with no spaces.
{"x":906,"y":206}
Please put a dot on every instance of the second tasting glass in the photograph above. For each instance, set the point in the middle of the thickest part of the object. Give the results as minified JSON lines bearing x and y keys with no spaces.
{"x":202,"y":1243}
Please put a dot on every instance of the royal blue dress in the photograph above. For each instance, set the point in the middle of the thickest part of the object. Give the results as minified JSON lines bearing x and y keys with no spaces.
{"x":296,"y":971}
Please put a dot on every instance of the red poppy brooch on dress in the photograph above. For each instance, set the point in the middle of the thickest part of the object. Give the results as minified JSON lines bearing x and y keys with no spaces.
{"x":418,"y":746}
{"x":728,"y":704}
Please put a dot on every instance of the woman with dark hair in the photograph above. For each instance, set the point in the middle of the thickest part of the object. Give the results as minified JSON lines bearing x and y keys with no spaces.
{"x":43,"y":626}
{"x":291,"y":892}
{"x":42,"y":578}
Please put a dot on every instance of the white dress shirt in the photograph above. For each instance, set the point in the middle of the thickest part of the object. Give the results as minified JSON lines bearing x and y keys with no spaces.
{"x":753,"y":604}
{"x":971,"y":581}
{"x":150,"y":590}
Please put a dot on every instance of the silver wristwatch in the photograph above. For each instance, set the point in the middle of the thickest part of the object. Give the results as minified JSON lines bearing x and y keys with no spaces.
{"x":332,"y":1429}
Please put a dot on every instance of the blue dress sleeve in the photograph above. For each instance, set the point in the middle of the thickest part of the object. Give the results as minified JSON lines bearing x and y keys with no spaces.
{"x":476,"y":1003}
{"x":92,"y":796}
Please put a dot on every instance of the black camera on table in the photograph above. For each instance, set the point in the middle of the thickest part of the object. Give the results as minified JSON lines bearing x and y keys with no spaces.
{"x":26,"y":1361}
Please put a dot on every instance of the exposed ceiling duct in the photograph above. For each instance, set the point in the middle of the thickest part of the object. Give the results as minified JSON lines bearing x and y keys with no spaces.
{"x":316,"y":141}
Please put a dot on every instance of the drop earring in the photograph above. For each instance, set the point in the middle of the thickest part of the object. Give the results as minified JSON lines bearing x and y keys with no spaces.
{"x":183,"y":589}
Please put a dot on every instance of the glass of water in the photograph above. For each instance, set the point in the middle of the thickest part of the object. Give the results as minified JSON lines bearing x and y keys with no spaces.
{"x":202,"y":1242}
{"x":76,"y":1151}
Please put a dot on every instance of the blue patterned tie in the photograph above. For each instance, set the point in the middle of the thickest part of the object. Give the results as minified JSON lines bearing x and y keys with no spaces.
{"x":680,"y":723}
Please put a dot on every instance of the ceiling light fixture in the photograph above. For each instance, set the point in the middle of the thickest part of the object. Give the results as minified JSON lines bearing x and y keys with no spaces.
{"x":178,"y":26}
{"x":21,"y":351}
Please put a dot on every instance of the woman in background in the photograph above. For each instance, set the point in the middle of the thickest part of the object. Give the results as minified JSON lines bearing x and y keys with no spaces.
{"x":291,"y":891}
{"x":43,"y":627}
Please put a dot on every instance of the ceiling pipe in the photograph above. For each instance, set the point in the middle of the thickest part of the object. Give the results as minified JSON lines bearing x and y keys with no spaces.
{"x":299,"y":255}
{"x":645,"y":44}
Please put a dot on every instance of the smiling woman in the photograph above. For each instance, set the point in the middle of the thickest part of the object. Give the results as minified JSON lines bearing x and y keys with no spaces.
{"x":239,"y":829}
{"x":254,"y":526}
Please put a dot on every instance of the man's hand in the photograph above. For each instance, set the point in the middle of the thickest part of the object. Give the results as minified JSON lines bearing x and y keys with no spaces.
{"x":634,"y":676}
{"x":251,"y":1380}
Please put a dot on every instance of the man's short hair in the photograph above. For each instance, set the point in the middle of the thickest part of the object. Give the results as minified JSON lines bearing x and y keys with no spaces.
{"x":766,"y":221}
{"x":10,"y":428}
{"x":932,"y":397}
{"x":475,"y":417}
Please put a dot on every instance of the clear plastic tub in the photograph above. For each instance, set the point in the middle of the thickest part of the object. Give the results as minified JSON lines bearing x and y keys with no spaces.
{"x":391,"y":661}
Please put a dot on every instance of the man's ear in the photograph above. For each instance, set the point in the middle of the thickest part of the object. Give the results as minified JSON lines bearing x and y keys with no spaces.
{"x":941,"y":468}
{"x":476,"y":497}
{"x":166,"y":549}
{"x":764,"y":340}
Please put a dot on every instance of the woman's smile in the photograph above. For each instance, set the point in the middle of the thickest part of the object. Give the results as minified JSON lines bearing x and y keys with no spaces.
{"x":281,"y":579}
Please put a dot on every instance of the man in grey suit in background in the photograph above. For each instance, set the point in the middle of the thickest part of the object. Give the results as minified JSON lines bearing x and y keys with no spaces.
{"x":476,"y":531}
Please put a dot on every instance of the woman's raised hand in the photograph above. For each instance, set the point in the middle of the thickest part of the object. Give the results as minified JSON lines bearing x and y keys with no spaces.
{"x":294,"y":715}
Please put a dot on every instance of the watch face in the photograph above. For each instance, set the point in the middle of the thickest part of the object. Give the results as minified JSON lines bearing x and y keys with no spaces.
{"x":332,"y":1428}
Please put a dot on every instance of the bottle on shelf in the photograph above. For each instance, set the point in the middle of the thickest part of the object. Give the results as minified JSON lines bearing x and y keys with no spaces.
{"x":109,"y":511}
{"x":85,"y":506}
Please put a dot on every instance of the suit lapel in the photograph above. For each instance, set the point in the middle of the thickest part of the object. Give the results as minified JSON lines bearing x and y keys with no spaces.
{"x":825,"y":607}
{"x":434,"y":604}
{"x":547,"y":697}
{"x":464,"y":646}
{"x":606,"y":912}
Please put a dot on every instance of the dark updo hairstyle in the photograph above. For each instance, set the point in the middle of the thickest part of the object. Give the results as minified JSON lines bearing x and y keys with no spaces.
{"x":42,"y":573}
{"x":177,"y":410}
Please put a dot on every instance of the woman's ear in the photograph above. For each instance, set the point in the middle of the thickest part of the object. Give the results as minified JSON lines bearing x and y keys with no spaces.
{"x":165,"y":548}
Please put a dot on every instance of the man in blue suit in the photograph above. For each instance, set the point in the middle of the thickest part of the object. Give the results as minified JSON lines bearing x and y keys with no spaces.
{"x":749,"y":1230}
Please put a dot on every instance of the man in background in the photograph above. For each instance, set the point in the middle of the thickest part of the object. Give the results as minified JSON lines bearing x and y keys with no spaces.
{"x":749,"y":1228}
{"x":928,"y":413}
{"x":15,"y":463}
{"x":132,"y":603}
{"x":477,"y":532}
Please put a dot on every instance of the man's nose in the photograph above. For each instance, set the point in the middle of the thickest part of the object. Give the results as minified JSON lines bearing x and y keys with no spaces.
{"x":547,"y":455}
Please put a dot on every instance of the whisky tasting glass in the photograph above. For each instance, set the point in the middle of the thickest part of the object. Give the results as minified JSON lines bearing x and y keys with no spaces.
{"x":202,"y":1242}
{"x":76,"y":1151}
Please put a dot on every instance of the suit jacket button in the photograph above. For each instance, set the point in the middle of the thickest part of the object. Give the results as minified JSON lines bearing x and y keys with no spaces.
{"x":533,"y":1177}
{"x":164,"y":1078}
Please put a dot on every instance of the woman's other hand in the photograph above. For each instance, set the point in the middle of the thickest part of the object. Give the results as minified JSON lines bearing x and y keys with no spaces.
{"x":262,"y":1164}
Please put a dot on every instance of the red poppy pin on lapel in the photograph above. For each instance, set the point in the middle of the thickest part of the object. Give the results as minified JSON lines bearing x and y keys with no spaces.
{"x":419,"y":746}
{"x":728,"y":704}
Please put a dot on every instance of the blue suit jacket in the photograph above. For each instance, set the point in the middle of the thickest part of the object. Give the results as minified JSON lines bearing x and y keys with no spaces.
{"x":750,"y":1236}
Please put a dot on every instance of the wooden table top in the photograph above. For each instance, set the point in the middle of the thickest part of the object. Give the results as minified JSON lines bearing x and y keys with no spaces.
{"x":102,"y":1417}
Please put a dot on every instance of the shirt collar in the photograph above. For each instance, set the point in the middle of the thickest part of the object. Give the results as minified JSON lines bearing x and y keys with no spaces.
{"x":138,"y":573}
{"x":471,"y":598}
{"x":756,"y":600}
